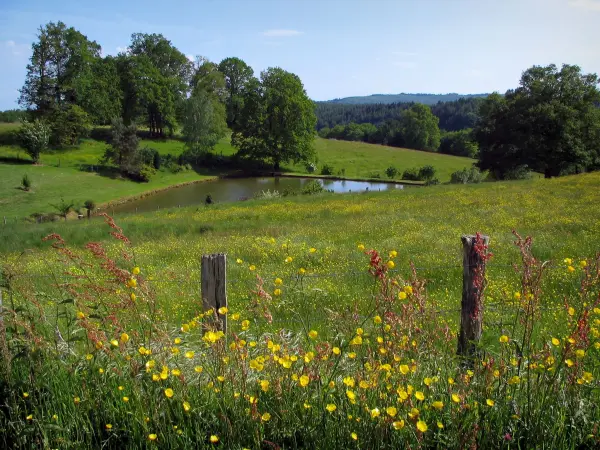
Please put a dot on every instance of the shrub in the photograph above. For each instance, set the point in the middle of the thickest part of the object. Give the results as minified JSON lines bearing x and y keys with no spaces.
{"x":156,"y":161}
{"x":341,"y":172}
{"x":34,"y":138}
{"x":432,"y":182}
{"x":267,"y":194}
{"x":90,"y":205}
{"x":26,"y":182}
{"x":426,"y":173}
{"x":518,"y":173}
{"x":63,"y":208}
{"x":327,"y":170}
{"x":69,"y":125}
{"x":374,"y":175}
{"x":311,"y":167}
{"x":411,"y":174}
{"x":312,"y":187}
{"x":146,"y":173}
{"x":472,"y":175}
{"x":391,"y":172}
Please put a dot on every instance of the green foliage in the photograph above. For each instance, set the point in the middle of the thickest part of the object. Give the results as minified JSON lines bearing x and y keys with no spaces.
{"x":459,"y":143}
{"x":123,"y":151}
{"x":426,"y":173}
{"x":63,"y":208}
{"x":69,"y":124}
{"x":385,"y":99}
{"x":156,"y":160}
{"x":311,"y":167}
{"x":12,"y":115}
{"x":100,"y":91}
{"x":237,"y":75}
{"x":90,"y":205}
{"x":278,"y":120}
{"x":420,"y":128}
{"x":204,"y":122}
{"x":34,"y":137}
{"x":312,"y":187}
{"x":146,"y":173}
{"x":411,"y":174}
{"x":26,"y":182}
{"x":466,"y":176}
{"x":391,"y":172}
{"x":550,"y":123}
{"x":327,"y":170}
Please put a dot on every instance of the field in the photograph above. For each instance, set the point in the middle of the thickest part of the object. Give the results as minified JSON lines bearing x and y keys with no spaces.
{"x":61,"y":174}
{"x":319,"y":353}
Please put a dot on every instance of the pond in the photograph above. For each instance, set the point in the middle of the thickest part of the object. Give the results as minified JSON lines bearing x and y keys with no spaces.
{"x":234,"y":189}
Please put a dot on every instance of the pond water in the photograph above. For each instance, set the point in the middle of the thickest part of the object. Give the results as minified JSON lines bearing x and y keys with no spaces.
{"x":235,"y":189}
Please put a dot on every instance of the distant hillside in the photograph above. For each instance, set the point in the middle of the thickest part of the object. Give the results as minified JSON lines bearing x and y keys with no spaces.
{"x":427,"y":99}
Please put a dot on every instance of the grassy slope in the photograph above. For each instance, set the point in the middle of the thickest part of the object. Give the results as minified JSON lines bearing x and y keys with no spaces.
{"x":60,"y":174}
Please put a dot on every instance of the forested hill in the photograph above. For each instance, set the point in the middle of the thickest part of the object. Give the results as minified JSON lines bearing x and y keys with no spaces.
{"x":453,"y":115}
{"x":427,"y":99}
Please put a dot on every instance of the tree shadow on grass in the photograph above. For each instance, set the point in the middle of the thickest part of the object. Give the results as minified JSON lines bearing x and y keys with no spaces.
{"x":15,"y":160}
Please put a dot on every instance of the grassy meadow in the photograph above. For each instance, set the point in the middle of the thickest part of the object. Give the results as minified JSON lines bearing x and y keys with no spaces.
{"x":318,"y":352}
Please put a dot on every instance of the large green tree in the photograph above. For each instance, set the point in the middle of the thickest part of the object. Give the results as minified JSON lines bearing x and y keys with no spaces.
{"x":419,"y":128}
{"x":550,"y":123}
{"x":237,"y":75}
{"x":61,"y":63}
{"x":204,"y":123}
{"x":278,"y":120}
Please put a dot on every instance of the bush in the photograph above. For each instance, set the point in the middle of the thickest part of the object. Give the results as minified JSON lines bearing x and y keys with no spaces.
{"x":375,"y":175}
{"x":312,"y":187}
{"x":34,"y":138}
{"x":465,"y":176}
{"x":518,"y":173}
{"x":341,"y":172}
{"x":311,"y":167}
{"x":391,"y":172}
{"x":426,"y":173}
{"x":26,"y":182}
{"x":69,"y":125}
{"x":43,"y":217}
{"x":327,"y":170}
{"x":411,"y":174}
{"x":156,"y":161}
{"x":432,"y":182}
{"x":146,"y":173}
{"x":266,"y":194}
{"x":90,"y":205}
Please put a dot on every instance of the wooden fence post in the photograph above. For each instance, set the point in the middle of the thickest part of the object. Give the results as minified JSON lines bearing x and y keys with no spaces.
{"x":471,"y":315}
{"x":214,"y":287}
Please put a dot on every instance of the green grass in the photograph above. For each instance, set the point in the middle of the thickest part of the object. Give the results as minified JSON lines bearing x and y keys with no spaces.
{"x":60,"y":171}
{"x":67,"y":399}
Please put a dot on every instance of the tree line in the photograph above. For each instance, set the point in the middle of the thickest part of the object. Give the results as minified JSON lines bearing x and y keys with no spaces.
{"x":70,"y":86}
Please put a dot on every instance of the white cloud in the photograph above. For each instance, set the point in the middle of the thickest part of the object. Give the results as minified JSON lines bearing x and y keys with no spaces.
{"x":281,"y":33}
{"x":14,"y":48}
{"x":405,"y":64}
{"x":589,"y":5}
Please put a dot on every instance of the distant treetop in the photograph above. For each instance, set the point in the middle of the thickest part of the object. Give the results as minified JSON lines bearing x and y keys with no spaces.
{"x":427,"y":99}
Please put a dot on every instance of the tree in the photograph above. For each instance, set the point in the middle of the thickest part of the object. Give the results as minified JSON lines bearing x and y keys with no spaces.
{"x":278,"y":120}
{"x":123,"y":150}
{"x":459,"y":143}
{"x":204,"y":122}
{"x":34,"y":137}
{"x":61,"y":58}
{"x":550,"y":123}
{"x":63,"y":208}
{"x":101,"y":95}
{"x":90,"y":205}
{"x":420,"y":128}
{"x":237,"y":75}
{"x":69,"y":124}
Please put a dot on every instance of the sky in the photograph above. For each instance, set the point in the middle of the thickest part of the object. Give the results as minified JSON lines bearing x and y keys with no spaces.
{"x":338,"y":48}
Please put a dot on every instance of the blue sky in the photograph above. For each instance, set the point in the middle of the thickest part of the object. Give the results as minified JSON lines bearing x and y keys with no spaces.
{"x":338,"y":47}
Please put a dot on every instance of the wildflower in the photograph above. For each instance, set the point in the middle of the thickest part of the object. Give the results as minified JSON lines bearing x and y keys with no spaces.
{"x":440,"y":425}
{"x":336,"y":350}
{"x":108,"y":426}
{"x":583,"y":263}
{"x":169,"y":392}
{"x":427,"y":381}
{"x":402,"y":295}
{"x":301,"y":271}
{"x":455,"y":398}
{"x":331,"y":407}
{"x":408,"y":289}
{"x":189,"y":354}
{"x":136,"y":271}
{"x":357,"y":340}
{"x":571,"y":311}
{"x":490,"y":402}
{"x":252,"y":267}
{"x":214,"y":439}
{"x":377,"y":319}
{"x":568,"y":261}
{"x":307,"y":406}
{"x":304,"y":380}
{"x":222,"y":310}
{"x":289,"y":259}
{"x":76,"y":400}
{"x":29,"y":417}
{"x":391,"y":411}
{"x":152,"y":436}
{"x":588,"y":377}
{"x":245,"y":325}
{"x":393,"y":254}
{"x":54,"y":417}
{"x":80,"y":315}
{"x":313,"y":250}
{"x":404,"y":369}
{"x":361,"y":247}
{"x":312,"y":334}
{"x":186,"y":406}
{"x":354,"y":436}
{"x":517,"y":295}
{"x":25,"y":394}
{"x":114,"y":343}
{"x":419,"y":395}
{"x":265,"y":417}
{"x":375,"y":413}
{"x":175,"y":372}
{"x":414,"y":413}
{"x":580,"y":353}
{"x":239,"y":261}
{"x":421,"y":426}
{"x":351,"y":396}
{"x":555,"y":342}
{"x":235,"y":316}
{"x":450,"y":380}
{"x":503,"y":339}
{"x":89,"y":356}
{"x":351,"y":355}
{"x":349,"y":381}
{"x":264,"y":385}
{"x":398,"y":425}
{"x":569,"y":362}
{"x":125,"y":399}
{"x":132,"y":283}
{"x":514,"y":380}
{"x":438,"y":405}
{"x":278,"y":281}
{"x":391,"y":264}
{"x":571,"y":269}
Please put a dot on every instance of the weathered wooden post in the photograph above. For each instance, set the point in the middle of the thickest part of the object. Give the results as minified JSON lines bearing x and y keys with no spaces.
{"x":471,"y":315}
{"x":214,"y":287}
